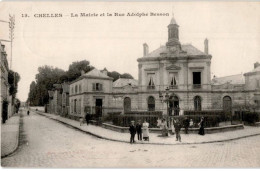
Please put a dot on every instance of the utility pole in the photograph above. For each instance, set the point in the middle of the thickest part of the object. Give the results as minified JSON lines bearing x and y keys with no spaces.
{"x":11,"y":35}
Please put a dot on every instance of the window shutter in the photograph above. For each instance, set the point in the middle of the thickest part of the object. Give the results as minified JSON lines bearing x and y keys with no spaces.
{"x":93,"y":86}
{"x":101,"y":87}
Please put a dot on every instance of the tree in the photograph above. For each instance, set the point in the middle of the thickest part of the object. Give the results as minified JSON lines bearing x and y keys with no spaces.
{"x":75,"y":70}
{"x":13,"y":79}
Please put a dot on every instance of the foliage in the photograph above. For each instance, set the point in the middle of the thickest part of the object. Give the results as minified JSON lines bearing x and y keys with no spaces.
{"x":13,"y":79}
{"x":48,"y":75}
{"x":117,"y":75}
{"x":75,"y":69}
{"x":250,"y":117}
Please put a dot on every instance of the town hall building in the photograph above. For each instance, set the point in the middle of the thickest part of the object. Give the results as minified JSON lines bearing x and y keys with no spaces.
{"x":179,"y":73}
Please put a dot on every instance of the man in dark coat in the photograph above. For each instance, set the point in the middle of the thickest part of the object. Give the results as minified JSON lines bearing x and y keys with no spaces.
{"x":186,"y":125}
{"x":87,"y":118}
{"x":139,"y":130}
{"x":132,"y":130}
{"x":177,"y":126}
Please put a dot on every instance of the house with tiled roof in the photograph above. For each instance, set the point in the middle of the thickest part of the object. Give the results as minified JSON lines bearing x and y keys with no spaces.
{"x":90,"y":93}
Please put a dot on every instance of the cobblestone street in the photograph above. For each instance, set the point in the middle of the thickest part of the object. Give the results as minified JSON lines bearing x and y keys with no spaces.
{"x":47,"y":143}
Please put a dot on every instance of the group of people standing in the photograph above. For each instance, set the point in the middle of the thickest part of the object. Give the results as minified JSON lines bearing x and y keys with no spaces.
{"x":142,"y":131}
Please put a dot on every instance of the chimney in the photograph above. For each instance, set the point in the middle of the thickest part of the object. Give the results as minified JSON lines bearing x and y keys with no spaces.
{"x":82,"y":72}
{"x":146,"y":49}
{"x":206,"y":46}
{"x":104,"y":71}
{"x":256,"y":64}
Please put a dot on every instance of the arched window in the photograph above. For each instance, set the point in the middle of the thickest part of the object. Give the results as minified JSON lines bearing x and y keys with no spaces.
{"x":127,"y":104}
{"x":227,"y":104}
{"x":151,"y":103}
{"x":197,"y":103}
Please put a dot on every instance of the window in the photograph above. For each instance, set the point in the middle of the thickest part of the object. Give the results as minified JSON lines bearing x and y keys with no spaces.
{"x":150,"y":78}
{"x":79,"y":106}
{"x":71,"y":106}
{"x":196,"y":79}
{"x":227,"y":104}
{"x":173,"y":80}
{"x":127,"y":104}
{"x":80,"y":88}
{"x":151,"y":103}
{"x":75,"y":106}
{"x":97,"y":87}
{"x":197,"y":103}
{"x":257,"y":83}
{"x":71,"y":90}
{"x":76,"y":89}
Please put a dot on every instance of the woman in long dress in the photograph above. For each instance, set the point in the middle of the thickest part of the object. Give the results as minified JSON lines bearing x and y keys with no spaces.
{"x":201,"y":131}
{"x":145,"y":130}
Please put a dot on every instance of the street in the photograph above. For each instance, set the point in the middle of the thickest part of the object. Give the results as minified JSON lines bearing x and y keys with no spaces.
{"x":47,"y":143}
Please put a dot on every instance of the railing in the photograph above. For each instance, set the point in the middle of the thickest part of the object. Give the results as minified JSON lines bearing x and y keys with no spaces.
{"x":150,"y":87}
{"x":196,"y":86}
{"x":173,"y":86}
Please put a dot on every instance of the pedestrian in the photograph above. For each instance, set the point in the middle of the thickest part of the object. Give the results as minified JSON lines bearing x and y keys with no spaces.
{"x":186,"y":125}
{"x":132,"y":130}
{"x":201,"y":124}
{"x":177,"y":126}
{"x":146,"y":130}
{"x":28,"y":112}
{"x":172,"y":126}
{"x":191,"y":123}
{"x":164,"y":128}
{"x":139,"y":130}
{"x":87,"y":118}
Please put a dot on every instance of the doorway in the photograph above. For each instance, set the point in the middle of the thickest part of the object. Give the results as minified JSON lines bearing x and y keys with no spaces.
{"x":174,"y":108}
{"x":99,"y":104}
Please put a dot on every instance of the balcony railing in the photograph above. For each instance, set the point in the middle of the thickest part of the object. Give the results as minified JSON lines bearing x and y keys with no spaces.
{"x":150,"y":87}
{"x":196,"y":86}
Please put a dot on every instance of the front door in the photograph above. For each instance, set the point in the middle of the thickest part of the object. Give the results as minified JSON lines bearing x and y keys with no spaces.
{"x":99,"y":107}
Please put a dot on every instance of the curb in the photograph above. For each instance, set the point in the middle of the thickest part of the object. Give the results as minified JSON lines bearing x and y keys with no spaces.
{"x":16,"y":143}
{"x":106,"y":138}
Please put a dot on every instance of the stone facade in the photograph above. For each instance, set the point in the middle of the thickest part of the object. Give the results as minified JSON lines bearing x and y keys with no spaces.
{"x":5,"y":98}
{"x":181,"y":70}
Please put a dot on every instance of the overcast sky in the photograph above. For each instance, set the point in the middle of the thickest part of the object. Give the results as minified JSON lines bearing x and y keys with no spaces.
{"x":233,"y":30}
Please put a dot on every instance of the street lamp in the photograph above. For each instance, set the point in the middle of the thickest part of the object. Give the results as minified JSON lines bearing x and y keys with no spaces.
{"x":166,"y":99}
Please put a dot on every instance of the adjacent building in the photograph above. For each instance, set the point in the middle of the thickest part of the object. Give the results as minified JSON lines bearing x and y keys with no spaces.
{"x":5,"y":98}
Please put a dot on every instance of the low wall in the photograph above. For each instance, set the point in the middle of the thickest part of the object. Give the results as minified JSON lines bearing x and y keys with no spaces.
{"x":191,"y":130}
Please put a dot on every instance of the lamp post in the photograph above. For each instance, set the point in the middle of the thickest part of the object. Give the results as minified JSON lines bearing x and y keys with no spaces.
{"x":166,"y":99}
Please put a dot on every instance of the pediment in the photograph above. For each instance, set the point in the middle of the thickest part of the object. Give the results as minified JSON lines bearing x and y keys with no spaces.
{"x":151,"y":69}
{"x":173,"y":67}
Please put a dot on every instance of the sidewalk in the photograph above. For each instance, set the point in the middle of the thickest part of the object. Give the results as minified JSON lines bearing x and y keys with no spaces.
{"x":10,"y":135}
{"x":155,"y":137}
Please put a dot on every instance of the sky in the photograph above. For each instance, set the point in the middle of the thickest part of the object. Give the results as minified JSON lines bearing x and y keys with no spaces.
{"x":232,"y":28}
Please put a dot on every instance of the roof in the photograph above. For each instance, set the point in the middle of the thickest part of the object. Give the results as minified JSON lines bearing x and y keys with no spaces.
{"x":121,"y":82}
{"x":173,"y":21}
{"x":96,"y":73}
{"x":187,"y":49}
{"x":233,"y":79}
{"x":65,"y":87}
{"x":257,"y":69}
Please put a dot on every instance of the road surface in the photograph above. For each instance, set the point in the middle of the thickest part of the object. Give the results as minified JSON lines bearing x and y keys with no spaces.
{"x":47,"y":143}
